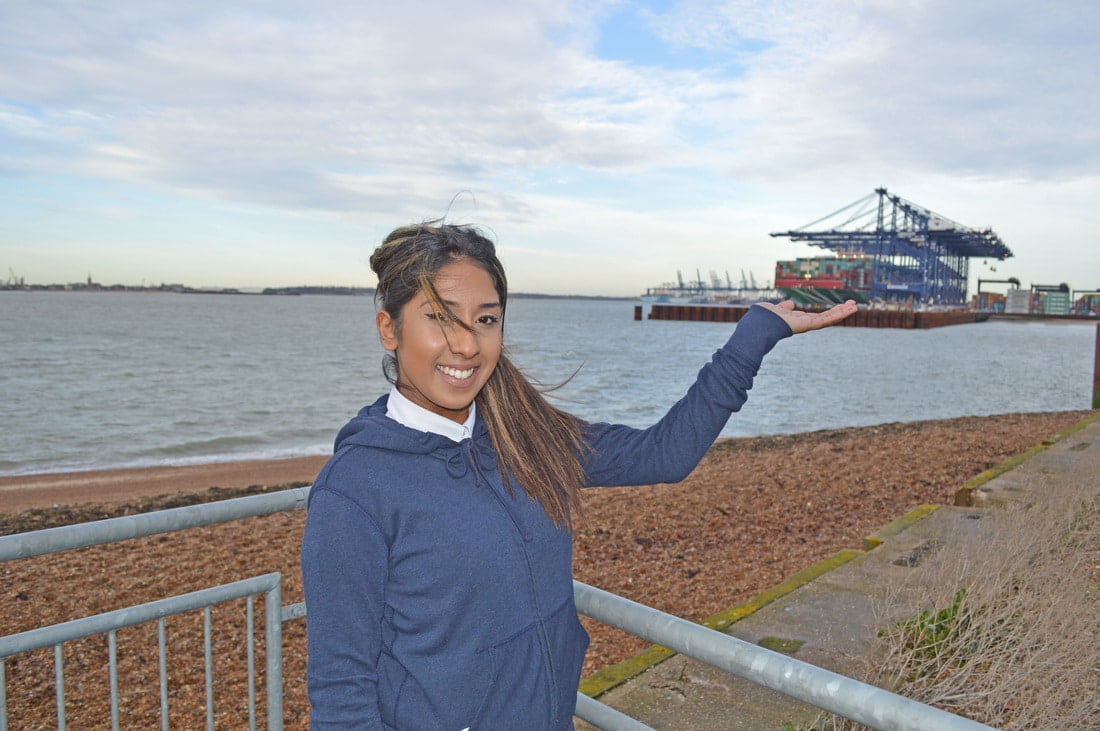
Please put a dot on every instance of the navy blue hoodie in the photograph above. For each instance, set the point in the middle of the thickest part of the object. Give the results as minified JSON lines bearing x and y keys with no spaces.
{"x":437,"y":601}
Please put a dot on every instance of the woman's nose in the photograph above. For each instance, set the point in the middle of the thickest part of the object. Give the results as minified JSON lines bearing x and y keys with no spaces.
{"x":463,"y":342}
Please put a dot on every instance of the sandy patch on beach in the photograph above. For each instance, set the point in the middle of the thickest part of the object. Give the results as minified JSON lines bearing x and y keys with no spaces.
{"x":107,"y":486}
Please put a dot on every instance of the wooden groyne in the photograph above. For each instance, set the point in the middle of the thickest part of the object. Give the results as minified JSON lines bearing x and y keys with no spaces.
{"x":905,"y":319}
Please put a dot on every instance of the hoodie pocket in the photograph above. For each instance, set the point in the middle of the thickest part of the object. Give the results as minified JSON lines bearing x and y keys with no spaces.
{"x":523,"y":693}
{"x":508,"y":685}
{"x":519,"y":685}
{"x":440,"y":693}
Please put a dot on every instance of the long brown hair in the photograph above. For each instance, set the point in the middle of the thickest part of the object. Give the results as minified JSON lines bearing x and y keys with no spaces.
{"x":540,"y":447}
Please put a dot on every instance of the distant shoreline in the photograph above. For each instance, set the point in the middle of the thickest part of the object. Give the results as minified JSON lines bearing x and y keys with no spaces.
{"x":271,"y":291}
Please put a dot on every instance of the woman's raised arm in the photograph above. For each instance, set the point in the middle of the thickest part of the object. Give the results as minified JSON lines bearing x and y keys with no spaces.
{"x":671,"y":448}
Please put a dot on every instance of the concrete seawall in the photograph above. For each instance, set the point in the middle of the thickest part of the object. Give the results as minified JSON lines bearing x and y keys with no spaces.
{"x":906,"y":319}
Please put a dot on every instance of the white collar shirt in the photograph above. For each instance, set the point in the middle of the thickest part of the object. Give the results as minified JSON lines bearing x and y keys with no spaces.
{"x":405,"y":412}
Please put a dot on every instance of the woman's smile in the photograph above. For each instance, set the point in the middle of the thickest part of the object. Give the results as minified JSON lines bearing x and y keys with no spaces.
{"x":456,"y":373}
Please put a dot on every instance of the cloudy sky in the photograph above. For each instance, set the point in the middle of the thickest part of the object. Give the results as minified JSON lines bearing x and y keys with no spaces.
{"x":603,"y":145}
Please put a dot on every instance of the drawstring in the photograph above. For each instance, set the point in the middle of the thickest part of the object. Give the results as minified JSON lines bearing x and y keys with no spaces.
{"x":479,"y":455}
{"x":475,"y":453}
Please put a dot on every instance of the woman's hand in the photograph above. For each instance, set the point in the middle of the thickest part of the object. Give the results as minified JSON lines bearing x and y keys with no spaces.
{"x":801,"y":322}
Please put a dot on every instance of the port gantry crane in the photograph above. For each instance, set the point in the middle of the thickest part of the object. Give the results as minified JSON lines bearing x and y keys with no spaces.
{"x":1011,"y":280}
{"x":914,"y":253}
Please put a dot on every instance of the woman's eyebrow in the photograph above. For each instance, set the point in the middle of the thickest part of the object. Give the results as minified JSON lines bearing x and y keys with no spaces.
{"x":483,"y":306}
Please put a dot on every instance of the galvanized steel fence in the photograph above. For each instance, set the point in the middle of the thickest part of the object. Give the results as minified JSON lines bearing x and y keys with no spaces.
{"x":110,"y":622}
{"x":861,"y":702}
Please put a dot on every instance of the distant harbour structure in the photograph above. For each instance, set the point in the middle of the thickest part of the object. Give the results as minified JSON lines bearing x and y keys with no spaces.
{"x":716,"y":291}
{"x":888,"y":250}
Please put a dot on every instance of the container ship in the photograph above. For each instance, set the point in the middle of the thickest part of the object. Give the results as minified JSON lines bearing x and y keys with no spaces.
{"x":824,"y":280}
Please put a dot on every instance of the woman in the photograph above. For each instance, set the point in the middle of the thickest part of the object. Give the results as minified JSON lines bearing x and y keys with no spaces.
{"x":438,"y":547}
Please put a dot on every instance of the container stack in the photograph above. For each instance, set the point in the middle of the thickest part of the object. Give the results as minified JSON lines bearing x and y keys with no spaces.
{"x":1018,"y":302}
{"x":1054,"y":303}
{"x":989,"y":302}
{"x":1087,"y":305}
{"x":821,"y":279}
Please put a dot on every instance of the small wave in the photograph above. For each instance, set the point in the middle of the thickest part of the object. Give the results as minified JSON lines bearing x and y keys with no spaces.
{"x":10,"y":468}
{"x":214,"y":446}
{"x":267,"y":453}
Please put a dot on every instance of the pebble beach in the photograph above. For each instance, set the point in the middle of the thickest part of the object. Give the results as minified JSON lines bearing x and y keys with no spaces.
{"x":755,"y":511}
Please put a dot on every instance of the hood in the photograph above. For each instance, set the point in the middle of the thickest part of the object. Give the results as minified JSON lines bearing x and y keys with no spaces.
{"x":371,"y":428}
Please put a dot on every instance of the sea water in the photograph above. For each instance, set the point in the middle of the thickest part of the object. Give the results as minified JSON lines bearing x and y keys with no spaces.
{"x":101,"y":379}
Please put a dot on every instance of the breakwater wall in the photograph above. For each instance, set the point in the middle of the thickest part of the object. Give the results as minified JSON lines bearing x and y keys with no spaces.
{"x":905,"y":319}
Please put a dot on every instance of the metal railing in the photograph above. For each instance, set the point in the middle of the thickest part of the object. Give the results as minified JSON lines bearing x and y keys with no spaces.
{"x":52,"y":540}
{"x":829,"y":691}
{"x":110,"y":622}
{"x":63,"y":538}
{"x":867,"y":704}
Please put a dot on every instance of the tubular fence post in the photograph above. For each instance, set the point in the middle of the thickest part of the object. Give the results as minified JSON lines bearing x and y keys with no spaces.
{"x":250,"y":633}
{"x":273,"y":641}
{"x":1096,"y":371}
{"x":162,"y":652}
{"x":59,"y":684}
{"x":3,"y":697}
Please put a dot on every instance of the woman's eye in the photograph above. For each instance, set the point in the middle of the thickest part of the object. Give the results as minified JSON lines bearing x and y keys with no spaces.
{"x":488,"y":320}
{"x":440,"y":316}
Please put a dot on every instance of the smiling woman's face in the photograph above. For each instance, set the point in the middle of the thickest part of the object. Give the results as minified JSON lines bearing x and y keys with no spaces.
{"x":441,"y":365}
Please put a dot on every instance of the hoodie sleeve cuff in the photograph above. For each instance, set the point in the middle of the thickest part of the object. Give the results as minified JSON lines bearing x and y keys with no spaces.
{"x":756,"y":334}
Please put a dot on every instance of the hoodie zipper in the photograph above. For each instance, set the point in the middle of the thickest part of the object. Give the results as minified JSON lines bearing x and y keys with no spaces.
{"x":525,"y":538}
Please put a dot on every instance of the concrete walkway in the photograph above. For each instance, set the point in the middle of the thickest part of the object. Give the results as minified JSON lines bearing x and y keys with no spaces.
{"x":829,"y":615}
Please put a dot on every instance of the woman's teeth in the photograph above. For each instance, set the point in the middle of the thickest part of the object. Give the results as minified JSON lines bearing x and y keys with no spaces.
{"x":456,"y":373}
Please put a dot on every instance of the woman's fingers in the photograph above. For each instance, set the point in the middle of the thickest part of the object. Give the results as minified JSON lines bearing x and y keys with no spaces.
{"x":800,"y":321}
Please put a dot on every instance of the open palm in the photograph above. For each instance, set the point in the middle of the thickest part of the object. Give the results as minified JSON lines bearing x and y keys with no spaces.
{"x":800,"y":321}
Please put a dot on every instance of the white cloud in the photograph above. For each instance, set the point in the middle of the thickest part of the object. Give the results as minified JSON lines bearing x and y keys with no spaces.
{"x":358,"y":113}
{"x":975,"y":89}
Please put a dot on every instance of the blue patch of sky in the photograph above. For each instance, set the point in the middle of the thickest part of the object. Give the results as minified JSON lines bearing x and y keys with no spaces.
{"x":629,"y":36}
{"x":32,"y":131}
{"x":34,"y":109}
{"x":13,"y":130}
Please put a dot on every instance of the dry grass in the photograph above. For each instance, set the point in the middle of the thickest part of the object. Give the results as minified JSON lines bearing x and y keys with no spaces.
{"x":1009,"y":633}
